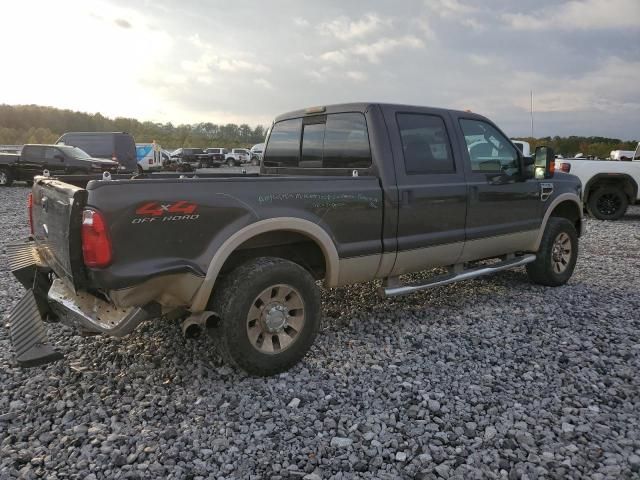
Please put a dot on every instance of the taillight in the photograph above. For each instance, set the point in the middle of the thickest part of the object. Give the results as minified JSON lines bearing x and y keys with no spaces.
{"x":96,"y":244}
{"x":565,"y":167}
{"x":114,"y":157}
{"x":30,"y":210}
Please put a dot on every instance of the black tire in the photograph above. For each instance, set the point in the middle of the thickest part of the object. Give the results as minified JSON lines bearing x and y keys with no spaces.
{"x":239,"y":294}
{"x":140,"y":170}
{"x":231,"y":162}
{"x":608,"y":203}
{"x":255,"y":162}
{"x":6,"y":177}
{"x":553,"y":265}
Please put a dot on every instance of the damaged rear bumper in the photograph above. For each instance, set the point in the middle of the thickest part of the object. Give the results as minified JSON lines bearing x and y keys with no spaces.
{"x":52,"y":301}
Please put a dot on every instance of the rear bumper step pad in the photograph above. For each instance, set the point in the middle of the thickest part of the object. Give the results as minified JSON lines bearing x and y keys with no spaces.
{"x":23,"y":261}
{"x":28,"y":334}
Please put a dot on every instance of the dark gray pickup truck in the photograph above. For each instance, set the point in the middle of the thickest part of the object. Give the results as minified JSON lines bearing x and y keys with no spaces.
{"x":56,"y":159}
{"x":346,"y":193}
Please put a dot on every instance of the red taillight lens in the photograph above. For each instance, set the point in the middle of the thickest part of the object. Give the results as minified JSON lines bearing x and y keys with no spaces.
{"x":96,"y":244}
{"x":30,"y":210}
{"x":565,"y":167}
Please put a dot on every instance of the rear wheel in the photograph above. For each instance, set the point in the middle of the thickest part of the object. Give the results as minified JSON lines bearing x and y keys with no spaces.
{"x":6,"y":177}
{"x":608,"y":203}
{"x":231,"y":162}
{"x":269,"y":311}
{"x":140,"y":170}
{"x":557,"y":255}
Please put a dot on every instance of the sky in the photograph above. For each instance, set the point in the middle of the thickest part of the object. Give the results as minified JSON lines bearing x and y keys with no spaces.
{"x":246,"y":61}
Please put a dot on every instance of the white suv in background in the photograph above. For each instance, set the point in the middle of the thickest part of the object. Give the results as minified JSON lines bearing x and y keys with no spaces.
{"x":237,"y":156}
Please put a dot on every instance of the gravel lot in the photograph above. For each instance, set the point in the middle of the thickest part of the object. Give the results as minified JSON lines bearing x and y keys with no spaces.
{"x":492,"y":378}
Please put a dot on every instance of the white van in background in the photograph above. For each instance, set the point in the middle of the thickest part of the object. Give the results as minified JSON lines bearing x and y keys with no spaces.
{"x":149,"y":157}
{"x":523,"y":146}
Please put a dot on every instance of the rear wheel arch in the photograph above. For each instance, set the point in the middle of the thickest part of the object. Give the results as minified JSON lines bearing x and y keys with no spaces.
{"x":623,"y":181}
{"x":301,"y":228}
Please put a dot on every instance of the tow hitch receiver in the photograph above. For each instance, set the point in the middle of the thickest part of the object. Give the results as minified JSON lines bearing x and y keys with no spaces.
{"x":29,"y":334}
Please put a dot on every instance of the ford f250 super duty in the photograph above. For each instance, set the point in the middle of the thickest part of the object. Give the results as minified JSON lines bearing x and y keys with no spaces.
{"x":346,"y":193}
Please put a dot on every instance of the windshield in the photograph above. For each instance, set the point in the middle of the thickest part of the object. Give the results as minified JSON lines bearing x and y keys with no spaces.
{"x":75,"y":152}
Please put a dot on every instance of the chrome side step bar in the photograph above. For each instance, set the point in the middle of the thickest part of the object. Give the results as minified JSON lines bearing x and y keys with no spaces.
{"x":509,"y":262}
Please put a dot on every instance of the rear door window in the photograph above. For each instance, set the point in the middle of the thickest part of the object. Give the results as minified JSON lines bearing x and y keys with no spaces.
{"x":283,"y":149}
{"x":425,"y":144}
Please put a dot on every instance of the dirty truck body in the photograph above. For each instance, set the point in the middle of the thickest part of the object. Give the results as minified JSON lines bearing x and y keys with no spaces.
{"x":346,"y":194}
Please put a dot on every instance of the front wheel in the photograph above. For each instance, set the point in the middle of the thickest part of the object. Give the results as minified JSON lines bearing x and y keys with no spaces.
{"x":6,"y":177}
{"x":557,"y":255}
{"x":608,"y":203}
{"x":269,"y":311}
{"x":231,"y":162}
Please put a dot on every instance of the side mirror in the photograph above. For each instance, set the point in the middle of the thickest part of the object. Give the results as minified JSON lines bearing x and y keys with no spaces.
{"x":544,"y":161}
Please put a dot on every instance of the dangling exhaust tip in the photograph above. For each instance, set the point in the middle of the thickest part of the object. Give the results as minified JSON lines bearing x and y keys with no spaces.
{"x":194,"y":325}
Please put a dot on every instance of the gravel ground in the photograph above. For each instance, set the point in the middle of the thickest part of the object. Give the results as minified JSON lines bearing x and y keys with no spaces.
{"x":492,"y":378}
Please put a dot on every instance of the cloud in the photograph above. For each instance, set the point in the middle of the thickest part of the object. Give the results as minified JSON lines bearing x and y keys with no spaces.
{"x":579,"y":15}
{"x":343,"y":28}
{"x":261,"y":82}
{"x":300,"y":22}
{"x":357,"y":76}
{"x":373,"y":51}
{"x":449,"y":8}
{"x":121,"y":22}
{"x":335,"y":56}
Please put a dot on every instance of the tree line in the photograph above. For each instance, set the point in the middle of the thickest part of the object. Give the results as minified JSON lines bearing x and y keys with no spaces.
{"x":599,"y":147}
{"x":20,"y":124}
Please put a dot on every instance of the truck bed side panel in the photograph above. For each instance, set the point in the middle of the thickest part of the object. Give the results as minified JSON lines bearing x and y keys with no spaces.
{"x":164,"y":227}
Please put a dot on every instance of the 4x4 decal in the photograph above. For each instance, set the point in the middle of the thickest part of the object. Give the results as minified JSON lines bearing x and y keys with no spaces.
{"x":166,"y":212}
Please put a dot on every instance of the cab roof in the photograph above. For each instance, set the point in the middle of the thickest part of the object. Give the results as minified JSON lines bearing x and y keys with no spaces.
{"x":363,"y":107}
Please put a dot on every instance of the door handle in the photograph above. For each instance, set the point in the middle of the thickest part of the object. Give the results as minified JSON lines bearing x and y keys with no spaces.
{"x":405,"y":198}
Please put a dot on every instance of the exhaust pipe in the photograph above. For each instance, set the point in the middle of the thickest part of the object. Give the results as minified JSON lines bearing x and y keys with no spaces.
{"x":194,"y":325}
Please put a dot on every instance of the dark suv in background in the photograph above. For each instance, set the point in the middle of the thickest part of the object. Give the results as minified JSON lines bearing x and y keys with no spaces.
{"x":116,"y":146}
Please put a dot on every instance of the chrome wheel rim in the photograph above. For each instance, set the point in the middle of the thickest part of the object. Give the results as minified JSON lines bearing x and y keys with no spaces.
{"x":561,"y":252}
{"x":275,"y":319}
{"x":609,"y":204}
{"x":3,"y":178}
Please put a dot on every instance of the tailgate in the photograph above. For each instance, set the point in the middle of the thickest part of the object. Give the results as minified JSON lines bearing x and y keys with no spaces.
{"x":57,"y":219}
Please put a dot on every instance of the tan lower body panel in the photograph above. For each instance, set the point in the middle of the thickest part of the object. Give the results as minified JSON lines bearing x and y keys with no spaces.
{"x":175,"y":290}
{"x":358,"y":269}
{"x":499,"y":245}
{"x":419,"y":259}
